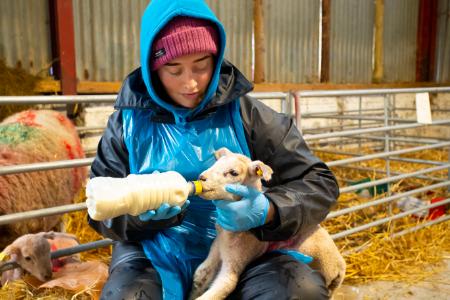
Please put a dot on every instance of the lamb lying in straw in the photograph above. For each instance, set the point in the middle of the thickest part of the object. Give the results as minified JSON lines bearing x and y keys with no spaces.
{"x":32,"y":252}
{"x":231,"y":252}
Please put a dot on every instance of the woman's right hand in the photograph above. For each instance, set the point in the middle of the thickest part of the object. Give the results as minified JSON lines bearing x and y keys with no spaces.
{"x":165,"y":211}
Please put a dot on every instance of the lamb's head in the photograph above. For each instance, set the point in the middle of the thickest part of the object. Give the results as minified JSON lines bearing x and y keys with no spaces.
{"x":32,"y":253}
{"x":232,"y":168}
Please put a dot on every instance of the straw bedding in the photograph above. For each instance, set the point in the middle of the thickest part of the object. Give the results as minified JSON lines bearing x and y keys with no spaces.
{"x":370,"y":255}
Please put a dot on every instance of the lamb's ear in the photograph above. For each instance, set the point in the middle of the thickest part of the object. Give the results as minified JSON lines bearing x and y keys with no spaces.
{"x":222,"y":152}
{"x":51,"y":235}
{"x":48,"y":235}
{"x":258,"y":168}
{"x":12,"y":252}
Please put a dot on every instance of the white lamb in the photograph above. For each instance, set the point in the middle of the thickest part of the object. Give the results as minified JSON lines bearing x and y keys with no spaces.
{"x":231,"y":252}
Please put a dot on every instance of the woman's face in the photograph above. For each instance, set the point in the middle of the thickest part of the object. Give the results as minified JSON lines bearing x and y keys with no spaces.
{"x":187,"y":77}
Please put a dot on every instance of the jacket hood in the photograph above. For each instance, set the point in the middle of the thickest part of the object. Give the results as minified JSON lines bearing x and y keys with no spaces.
{"x":157,"y":14}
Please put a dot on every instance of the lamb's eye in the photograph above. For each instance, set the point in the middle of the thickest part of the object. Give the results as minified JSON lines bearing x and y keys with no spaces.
{"x":234,"y":173}
{"x":27,"y":258}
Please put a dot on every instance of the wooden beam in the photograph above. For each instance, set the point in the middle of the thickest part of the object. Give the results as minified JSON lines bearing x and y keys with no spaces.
{"x":109,"y":87}
{"x":260,"y":48}
{"x":378,"y":71}
{"x":277,"y":87}
{"x":325,"y":60}
{"x":426,"y":40}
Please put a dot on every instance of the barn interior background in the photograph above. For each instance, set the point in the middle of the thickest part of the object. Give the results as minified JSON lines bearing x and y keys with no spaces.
{"x":356,"y":75}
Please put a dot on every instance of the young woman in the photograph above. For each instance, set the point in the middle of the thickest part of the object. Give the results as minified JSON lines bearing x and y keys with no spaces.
{"x":172,"y":113}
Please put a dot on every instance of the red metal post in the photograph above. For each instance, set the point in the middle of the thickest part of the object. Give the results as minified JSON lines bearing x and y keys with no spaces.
{"x":426,"y":40}
{"x":63,"y":46}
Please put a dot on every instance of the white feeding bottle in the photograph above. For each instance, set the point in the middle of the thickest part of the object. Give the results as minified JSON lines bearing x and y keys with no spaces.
{"x":109,"y":197}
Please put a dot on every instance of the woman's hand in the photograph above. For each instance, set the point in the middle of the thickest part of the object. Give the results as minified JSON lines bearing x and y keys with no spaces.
{"x":249,"y":212}
{"x":165,"y":211}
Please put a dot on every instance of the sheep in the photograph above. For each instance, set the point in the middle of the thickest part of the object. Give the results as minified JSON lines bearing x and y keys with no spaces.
{"x":231,"y":252}
{"x":32,"y":252}
{"x":34,"y":136}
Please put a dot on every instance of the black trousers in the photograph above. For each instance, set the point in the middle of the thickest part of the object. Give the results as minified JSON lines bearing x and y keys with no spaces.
{"x":272,"y":276}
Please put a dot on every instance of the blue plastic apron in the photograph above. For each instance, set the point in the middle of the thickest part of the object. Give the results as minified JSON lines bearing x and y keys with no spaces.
{"x":188,"y":149}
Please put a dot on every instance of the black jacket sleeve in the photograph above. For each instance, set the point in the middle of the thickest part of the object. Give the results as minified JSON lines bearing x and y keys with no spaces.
{"x":302,"y":188}
{"x":112,"y":161}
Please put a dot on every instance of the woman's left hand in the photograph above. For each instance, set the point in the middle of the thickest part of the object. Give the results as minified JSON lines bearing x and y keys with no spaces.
{"x":249,"y":212}
{"x":164,"y":212}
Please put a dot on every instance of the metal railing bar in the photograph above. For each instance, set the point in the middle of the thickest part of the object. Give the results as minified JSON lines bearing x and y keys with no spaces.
{"x":58,"y":99}
{"x":371,"y":130}
{"x":355,"y":187}
{"x":109,"y":98}
{"x":318,"y":113}
{"x":88,"y":128}
{"x":420,"y":226}
{"x":393,"y":173}
{"x":387,"y":219}
{"x":395,"y":158}
{"x":385,"y":154}
{"x":398,"y":234}
{"x":368,"y":92}
{"x":344,"y":211}
{"x":45,"y":166}
{"x":379,"y":138}
{"x":367,"y":125}
{"x":360,"y":117}
{"x":44,"y":212}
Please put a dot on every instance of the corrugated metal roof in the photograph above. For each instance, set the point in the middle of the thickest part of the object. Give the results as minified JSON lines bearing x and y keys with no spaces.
{"x":25,"y":34}
{"x":400,"y":40}
{"x":237,"y":18}
{"x":443,"y":42}
{"x":292,"y":40}
{"x":107,"y":38}
{"x":107,"y":35}
{"x":351,"y":40}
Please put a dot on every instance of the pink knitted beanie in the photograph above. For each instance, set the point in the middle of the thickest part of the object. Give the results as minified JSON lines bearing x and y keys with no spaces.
{"x":182,"y":36}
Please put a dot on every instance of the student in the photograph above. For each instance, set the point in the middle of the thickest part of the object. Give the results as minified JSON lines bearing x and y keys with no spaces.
{"x":172,"y":113}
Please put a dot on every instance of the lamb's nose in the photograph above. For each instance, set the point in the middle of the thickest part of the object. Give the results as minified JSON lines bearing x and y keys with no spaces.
{"x":202,"y":178}
{"x":48,"y":276}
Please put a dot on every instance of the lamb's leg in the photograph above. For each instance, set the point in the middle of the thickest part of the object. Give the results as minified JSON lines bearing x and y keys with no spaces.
{"x":206,"y":272}
{"x":237,"y":251}
{"x":224,"y":284}
{"x":327,"y":258}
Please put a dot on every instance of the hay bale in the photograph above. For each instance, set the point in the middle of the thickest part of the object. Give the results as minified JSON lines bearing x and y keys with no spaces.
{"x":15,"y":82}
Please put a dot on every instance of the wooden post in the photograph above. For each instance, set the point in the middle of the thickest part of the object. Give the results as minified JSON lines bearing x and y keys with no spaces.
{"x":63,"y":47}
{"x":260,"y":48}
{"x":426,"y":40}
{"x":325,"y":60}
{"x":379,"y":28}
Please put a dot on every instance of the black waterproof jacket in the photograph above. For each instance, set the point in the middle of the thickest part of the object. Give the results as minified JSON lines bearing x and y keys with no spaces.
{"x":302,"y":187}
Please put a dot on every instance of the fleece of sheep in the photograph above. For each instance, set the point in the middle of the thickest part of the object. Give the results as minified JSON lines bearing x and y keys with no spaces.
{"x":34,"y":136}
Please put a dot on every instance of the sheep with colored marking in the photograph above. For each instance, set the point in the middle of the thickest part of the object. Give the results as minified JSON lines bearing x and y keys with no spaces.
{"x":231,"y":252}
{"x":35,"y":136}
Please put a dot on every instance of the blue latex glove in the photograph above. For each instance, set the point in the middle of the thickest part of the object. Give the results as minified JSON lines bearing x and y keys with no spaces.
{"x":165,"y":211}
{"x":249,"y":212}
